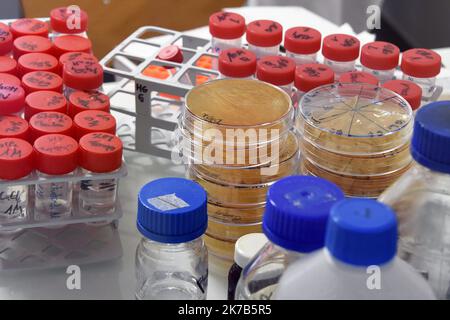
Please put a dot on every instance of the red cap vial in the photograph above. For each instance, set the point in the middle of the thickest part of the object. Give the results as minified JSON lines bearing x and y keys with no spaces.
{"x":358,"y":77}
{"x":8,"y":65}
{"x":60,"y":22}
{"x":312,"y":75}
{"x":171,"y":53}
{"x":71,"y":43}
{"x":340,"y":47}
{"x":16,"y":158}
{"x":80,"y":101}
{"x":93,"y":121}
{"x":29,"y":27}
{"x":43,"y":101}
{"x":380,"y":55}
{"x":276,"y":70}
{"x":12,"y":98}
{"x":42,"y":80}
{"x":410,"y":91}
{"x":50,"y":122}
{"x":56,"y":154}
{"x":83,"y":75}
{"x":302,"y":40}
{"x":10,"y":79}
{"x":13,"y":127}
{"x":264,"y":33}
{"x":30,"y":44}
{"x":71,"y":56}
{"x":226,"y":25}
{"x":36,"y":62}
{"x":237,"y":63}
{"x":421,"y":63}
{"x":100,"y":152}
{"x":6,"y":39}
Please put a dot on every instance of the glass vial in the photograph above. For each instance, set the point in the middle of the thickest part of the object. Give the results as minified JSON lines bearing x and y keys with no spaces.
{"x":50,"y":122}
{"x":43,"y":101}
{"x":226,"y":29}
{"x":264,"y":37}
{"x":93,"y":121}
{"x":277,"y":70}
{"x":237,"y":63}
{"x":172,"y":259}
{"x":62,"y":25}
{"x":82,"y":74}
{"x":340,"y":52}
{"x":380,"y":59}
{"x":302,"y":44}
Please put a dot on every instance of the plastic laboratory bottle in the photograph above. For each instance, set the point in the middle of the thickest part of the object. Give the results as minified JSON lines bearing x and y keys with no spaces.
{"x":80,"y":101}
{"x":50,"y":122}
{"x":12,"y":126}
{"x":340,"y":52}
{"x":237,"y":63}
{"x":8,"y":65}
{"x":264,"y":37}
{"x":421,"y":66}
{"x":6,"y":41}
{"x":277,"y":70}
{"x":302,"y":44}
{"x":16,"y":162}
{"x":12,"y":98}
{"x":56,"y":155}
{"x":226,"y":29}
{"x":36,"y":62}
{"x":99,"y":153}
{"x":245,"y":248}
{"x":31,"y":44}
{"x":172,"y":259}
{"x":358,"y":261}
{"x":294,"y":221}
{"x":71,"y":56}
{"x":63,"y":23}
{"x":42,"y":80}
{"x":421,"y":199}
{"x":380,"y":59}
{"x":310,"y":76}
{"x":93,"y":121}
{"x":358,"y":77}
{"x":410,"y":91}
{"x":82,"y":75}
{"x":29,"y":27}
{"x":44,"y":101}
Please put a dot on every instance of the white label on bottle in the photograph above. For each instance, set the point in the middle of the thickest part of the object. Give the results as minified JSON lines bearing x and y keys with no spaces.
{"x":167,"y":202}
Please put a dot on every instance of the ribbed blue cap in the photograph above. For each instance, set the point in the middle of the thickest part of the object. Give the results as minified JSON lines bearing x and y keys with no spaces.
{"x":362,"y":232}
{"x":172,"y":210}
{"x":431,"y":138}
{"x":297,"y":211}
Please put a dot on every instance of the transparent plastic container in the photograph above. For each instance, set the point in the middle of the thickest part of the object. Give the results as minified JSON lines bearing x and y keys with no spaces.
{"x":340,"y":52}
{"x":264,"y":51}
{"x":237,"y":63}
{"x":340,"y":67}
{"x":382,"y":75}
{"x":227,"y":29}
{"x":380,"y":59}
{"x":276,"y":70}
{"x":264,"y":37}
{"x":302,"y":44}
{"x":302,"y":58}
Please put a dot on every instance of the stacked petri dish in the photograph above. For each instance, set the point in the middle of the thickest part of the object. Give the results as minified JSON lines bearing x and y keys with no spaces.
{"x":355,"y":135}
{"x":237,"y":139}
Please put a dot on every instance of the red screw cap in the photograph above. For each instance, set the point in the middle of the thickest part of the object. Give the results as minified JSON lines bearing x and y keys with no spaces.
{"x":65,"y":20}
{"x":50,"y":122}
{"x":29,"y":27}
{"x":83,"y":75}
{"x":237,"y":63}
{"x":93,"y":121}
{"x":56,"y":154}
{"x":380,"y":55}
{"x":358,"y":77}
{"x":42,"y":101}
{"x":302,"y":40}
{"x":71,"y":56}
{"x":10,"y":79}
{"x":171,"y":53}
{"x":42,"y":80}
{"x":6,"y":39}
{"x":13,"y":127}
{"x":12,"y":98}
{"x":340,"y":47}
{"x":100,"y":152}
{"x":276,"y":70}
{"x":80,"y":101}
{"x":410,"y":91}
{"x":421,"y":63}
{"x":226,"y":25}
{"x":16,"y":158}
{"x":71,"y":43}
{"x":37,"y":62}
{"x":312,"y":75}
{"x":264,"y":33}
{"x":30,"y":44}
{"x":8,"y":65}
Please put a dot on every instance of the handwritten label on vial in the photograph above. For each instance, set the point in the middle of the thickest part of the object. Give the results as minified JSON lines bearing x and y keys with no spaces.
{"x":226,"y":16}
{"x":279,"y":63}
{"x":168,"y":202}
{"x":346,"y":42}
{"x":238,"y":55}
{"x":385,"y":49}
{"x":6,"y":90}
{"x":4,"y":35}
{"x":40,"y":64}
{"x":7,"y":125}
{"x":12,"y":201}
{"x":10,"y":150}
{"x":50,"y":120}
{"x":55,"y":100}
{"x":30,"y":24}
{"x":41,"y":79}
{"x":95,"y":121}
{"x":301,"y":35}
{"x":29,"y":46}
{"x":92,"y":101}
{"x":313,"y":72}
{"x":421,"y":54}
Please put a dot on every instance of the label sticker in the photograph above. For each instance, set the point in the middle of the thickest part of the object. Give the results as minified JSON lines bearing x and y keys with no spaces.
{"x":167,"y":202}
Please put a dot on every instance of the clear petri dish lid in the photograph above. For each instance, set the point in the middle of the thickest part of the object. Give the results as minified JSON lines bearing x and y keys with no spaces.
{"x":355,"y":118}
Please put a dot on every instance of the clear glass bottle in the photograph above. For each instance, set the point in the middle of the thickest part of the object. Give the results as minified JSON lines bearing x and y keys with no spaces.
{"x":340,"y":52}
{"x":296,"y":214}
{"x":380,"y":59}
{"x":68,"y":21}
{"x":302,"y":44}
{"x":421,"y":199}
{"x":226,"y":29}
{"x":277,"y":70}
{"x":237,"y":63}
{"x":82,"y":75}
{"x":264,"y":37}
{"x":172,"y":259}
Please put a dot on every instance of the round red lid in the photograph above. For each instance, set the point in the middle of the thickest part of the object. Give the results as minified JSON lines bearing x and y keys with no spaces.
{"x":56,"y":154}
{"x":340,"y":47}
{"x":30,"y":44}
{"x":312,"y":75}
{"x":36,"y":62}
{"x":50,"y":122}
{"x":71,"y":56}
{"x":410,"y":91}
{"x":380,"y":55}
{"x":9,"y":78}
{"x":8,"y":65}
{"x":71,"y":43}
{"x":68,"y":20}
{"x":13,"y":127}
{"x":421,"y":63}
{"x":264,"y":33}
{"x":83,"y":75}
{"x":100,"y":152}
{"x":237,"y":63}
{"x":16,"y":158}
{"x":80,"y":101}
{"x":276,"y":70}
{"x":29,"y":27}
{"x":41,"y":101}
{"x":93,"y":121}
{"x":42,"y":80}
{"x":171,"y":53}
{"x":226,"y":25}
{"x":302,"y":40}
{"x":358,"y":77}
{"x":6,"y":39}
{"x":12,"y":98}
